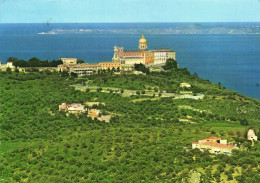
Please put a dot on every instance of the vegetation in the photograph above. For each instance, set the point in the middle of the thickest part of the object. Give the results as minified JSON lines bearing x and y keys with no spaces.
{"x":170,"y":64}
{"x":146,"y":139}
{"x":34,"y":62}
{"x":142,"y":68}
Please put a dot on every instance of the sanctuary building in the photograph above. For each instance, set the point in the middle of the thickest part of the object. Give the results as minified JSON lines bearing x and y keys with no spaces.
{"x":142,"y":55}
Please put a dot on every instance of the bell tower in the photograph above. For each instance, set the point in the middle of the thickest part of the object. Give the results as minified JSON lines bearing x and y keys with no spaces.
{"x":142,"y":43}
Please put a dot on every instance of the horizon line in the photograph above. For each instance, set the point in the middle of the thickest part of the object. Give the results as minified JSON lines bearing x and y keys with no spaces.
{"x":117,"y":22}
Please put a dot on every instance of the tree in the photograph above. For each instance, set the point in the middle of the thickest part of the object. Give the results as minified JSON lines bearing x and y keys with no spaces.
{"x":73,"y":74}
{"x":64,"y":73}
{"x":195,"y":75}
{"x":170,"y":64}
{"x":99,"y":89}
{"x":80,"y":61}
{"x":142,"y":68}
{"x":9,"y":70}
{"x":244,"y":122}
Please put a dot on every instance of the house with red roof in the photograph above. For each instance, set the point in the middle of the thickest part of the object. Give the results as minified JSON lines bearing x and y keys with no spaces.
{"x":214,"y":145}
{"x":74,"y":108}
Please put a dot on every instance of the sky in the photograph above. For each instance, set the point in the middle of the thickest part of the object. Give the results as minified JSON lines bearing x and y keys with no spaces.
{"x":101,"y":11}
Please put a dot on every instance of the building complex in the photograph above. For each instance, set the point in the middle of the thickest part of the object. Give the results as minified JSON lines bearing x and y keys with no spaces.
{"x":214,"y":145}
{"x":142,"y":55}
{"x":122,"y":60}
{"x":77,"y":108}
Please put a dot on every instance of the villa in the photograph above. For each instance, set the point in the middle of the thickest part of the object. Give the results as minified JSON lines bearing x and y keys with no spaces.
{"x":74,"y":108}
{"x":214,"y":145}
{"x":77,"y":108}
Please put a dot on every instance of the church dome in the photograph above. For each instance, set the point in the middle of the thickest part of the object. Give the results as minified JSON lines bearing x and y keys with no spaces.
{"x":142,"y":40}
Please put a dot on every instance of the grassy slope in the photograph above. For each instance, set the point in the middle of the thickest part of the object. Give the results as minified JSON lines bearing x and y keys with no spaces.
{"x":143,"y":142}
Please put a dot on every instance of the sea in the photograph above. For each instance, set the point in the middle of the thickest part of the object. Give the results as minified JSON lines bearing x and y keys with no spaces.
{"x":220,"y":52}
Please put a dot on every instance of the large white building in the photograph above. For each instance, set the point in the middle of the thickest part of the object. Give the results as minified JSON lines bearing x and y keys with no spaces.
{"x":161,"y":56}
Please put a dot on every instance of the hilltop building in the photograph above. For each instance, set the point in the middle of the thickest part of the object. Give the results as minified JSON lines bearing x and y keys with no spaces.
{"x":142,"y":55}
{"x":214,"y":145}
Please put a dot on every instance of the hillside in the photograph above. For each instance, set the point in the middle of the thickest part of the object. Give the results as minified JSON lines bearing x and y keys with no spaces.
{"x":148,"y":138}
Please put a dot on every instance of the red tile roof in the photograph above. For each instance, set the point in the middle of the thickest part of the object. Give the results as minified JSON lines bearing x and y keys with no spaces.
{"x":131,"y":54}
{"x":214,"y":144}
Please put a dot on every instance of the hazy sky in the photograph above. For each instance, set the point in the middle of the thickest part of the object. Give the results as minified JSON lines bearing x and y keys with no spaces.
{"x":30,"y":11}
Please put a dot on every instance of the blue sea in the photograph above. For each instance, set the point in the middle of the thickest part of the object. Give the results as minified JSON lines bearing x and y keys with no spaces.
{"x":220,"y":52}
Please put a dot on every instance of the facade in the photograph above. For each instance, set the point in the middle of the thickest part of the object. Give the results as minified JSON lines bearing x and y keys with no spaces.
{"x":109,"y":65}
{"x":161,"y":56}
{"x":251,"y":135}
{"x":214,"y":145}
{"x":131,"y":61}
{"x":80,"y":69}
{"x":74,"y":108}
{"x":148,"y":58}
{"x":70,"y":61}
{"x":84,"y":69}
{"x":128,"y":57}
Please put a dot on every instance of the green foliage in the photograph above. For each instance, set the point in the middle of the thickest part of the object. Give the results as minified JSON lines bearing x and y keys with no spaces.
{"x":80,"y":61}
{"x":144,"y":141}
{"x":34,"y":62}
{"x":8,"y":70}
{"x":142,"y":68}
{"x":170,"y":64}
